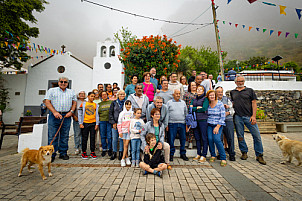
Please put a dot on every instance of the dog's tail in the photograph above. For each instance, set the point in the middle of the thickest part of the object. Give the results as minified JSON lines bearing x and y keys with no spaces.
{"x":25,"y":150}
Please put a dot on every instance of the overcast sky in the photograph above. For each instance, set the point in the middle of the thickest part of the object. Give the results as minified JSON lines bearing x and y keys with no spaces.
{"x":80,"y":25}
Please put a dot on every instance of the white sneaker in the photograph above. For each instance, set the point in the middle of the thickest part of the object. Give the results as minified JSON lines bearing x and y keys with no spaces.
{"x":137,"y":164}
{"x":128,"y":162}
{"x":123,"y":164}
{"x":77,"y":151}
{"x":202,"y":159}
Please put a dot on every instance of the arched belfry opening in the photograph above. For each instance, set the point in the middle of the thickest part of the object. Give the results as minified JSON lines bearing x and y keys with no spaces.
{"x":112,"y":51}
{"x":103,"y":51}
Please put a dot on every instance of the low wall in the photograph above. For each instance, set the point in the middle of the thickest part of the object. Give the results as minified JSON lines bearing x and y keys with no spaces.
{"x":279,"y":105}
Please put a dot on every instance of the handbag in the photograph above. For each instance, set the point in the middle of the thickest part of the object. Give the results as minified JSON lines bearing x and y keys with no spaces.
{"x":191,"y":119}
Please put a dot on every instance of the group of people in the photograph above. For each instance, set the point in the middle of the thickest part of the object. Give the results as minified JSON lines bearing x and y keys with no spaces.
{"x":149,"y":115}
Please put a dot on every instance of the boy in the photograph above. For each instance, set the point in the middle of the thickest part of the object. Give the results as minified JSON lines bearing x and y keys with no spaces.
{"x":154,"y":161}
{"x":89,"y":122}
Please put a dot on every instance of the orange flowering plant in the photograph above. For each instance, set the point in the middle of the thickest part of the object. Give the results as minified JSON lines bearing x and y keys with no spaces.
{"x":155,"y":51}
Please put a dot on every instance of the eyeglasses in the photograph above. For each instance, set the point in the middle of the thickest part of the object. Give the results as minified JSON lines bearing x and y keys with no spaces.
{"x":199,"y":89}
{"x":65,"y":82}
{"x":240,"y":81}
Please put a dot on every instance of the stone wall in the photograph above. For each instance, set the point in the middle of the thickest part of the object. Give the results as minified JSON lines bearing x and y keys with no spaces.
{"x":280,"y":106}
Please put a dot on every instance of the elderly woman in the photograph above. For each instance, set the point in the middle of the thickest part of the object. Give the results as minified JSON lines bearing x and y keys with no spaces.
{"x":188,"y":97}
{"x":76,"y":127}
{"x":115,"y":109}
{"x":216,"y":118}
{"x":200,"y":105}
{"x":149,"y":88}
{"x":158,"y":128}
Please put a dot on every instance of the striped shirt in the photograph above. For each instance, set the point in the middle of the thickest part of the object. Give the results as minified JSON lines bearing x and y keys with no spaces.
{"x":61,"y":100}
{"x":216,"y":115}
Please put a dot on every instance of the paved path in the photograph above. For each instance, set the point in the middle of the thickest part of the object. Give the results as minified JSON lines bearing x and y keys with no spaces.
{"x":103,"y":179}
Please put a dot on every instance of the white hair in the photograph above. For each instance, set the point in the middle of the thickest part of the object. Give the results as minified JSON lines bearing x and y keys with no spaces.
{"x":239,"y":76}
{"x":63,"y":78}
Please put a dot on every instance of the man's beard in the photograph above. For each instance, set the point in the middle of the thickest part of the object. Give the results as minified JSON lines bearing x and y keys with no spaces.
{"x":153,"y":74}
{"x":240,"y":86}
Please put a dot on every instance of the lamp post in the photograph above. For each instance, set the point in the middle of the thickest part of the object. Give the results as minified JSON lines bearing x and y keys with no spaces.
{"x":276,"y":59}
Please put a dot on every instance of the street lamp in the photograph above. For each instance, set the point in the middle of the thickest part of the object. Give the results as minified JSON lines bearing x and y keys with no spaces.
{"x":276,"y":59}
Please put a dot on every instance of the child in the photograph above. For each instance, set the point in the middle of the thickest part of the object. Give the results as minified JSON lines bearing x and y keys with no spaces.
{"x":136,"y":125}
{"x":123,"y":126}
{"x":154,"y":161}
{"x":89,"y":121}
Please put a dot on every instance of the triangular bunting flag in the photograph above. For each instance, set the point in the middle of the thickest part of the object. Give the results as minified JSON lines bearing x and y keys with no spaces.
{"x":229,"y":1}
{"x":282,"y":8}
{"x":236,"y":25}
{"x":230,"y":23}
{"x":299,"y":13}
{"x":223,"y":22}
{"x":257,"y":29}
{"x":264,"y":30}
{"x":243,"y":26}
{"x":251,"y":1}
{"x":286,"y":34}
{"x":270,"y":4}
{"x":296,"y":35}
{"x":250,"y":28}
{"x":270,"y":32}
{"x":279,"y":33}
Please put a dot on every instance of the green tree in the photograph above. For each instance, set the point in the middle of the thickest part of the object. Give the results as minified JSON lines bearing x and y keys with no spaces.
{"x":14,"y":30}
{"x":202,"y":59}
{"x":124,"y":36}
{"x":295,"y":67}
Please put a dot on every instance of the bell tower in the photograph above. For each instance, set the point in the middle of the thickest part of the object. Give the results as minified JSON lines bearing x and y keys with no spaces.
{"x":107,"y":68}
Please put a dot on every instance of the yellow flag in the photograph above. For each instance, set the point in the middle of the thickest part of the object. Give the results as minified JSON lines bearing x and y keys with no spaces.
{"x":282,"y":8}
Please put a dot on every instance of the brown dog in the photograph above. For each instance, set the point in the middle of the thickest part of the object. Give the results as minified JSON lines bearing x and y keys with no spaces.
{"x":289,"y":148}
{"x":41,"y":157}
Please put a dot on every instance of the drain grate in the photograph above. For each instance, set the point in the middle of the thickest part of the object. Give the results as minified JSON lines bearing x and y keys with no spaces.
{"x":70,"y":165}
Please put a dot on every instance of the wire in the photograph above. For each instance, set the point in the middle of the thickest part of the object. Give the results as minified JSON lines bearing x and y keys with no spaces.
{"x":146,"y":17}
{"x":193,"y":30}
{"x":190,"y":22}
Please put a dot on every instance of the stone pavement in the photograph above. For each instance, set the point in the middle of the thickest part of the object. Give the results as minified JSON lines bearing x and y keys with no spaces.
{"x":103,"y":179}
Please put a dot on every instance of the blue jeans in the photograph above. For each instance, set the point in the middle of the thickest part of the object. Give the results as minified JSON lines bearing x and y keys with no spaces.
{"x":239,"y":126}
{"x":200,"y":134}
{"x":106,"y":135}
{"x":115,"y":139}
{"x":215,"y":139}
{"x":61,"y":141}
{"x":77,"y":135}
{"x":173,"y":129}
{"x":228,"y":131}
{"x":135,"y":148}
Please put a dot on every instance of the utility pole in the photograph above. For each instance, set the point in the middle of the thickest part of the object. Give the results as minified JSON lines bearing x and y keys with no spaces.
{"x":217,"y":40}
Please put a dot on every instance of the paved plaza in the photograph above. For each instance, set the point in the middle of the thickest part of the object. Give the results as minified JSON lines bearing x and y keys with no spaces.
{"x":103,"y":179}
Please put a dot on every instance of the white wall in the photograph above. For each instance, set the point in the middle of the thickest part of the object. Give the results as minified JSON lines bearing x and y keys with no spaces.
{"x":263,"y":85}
{"x":38,"y":77}
{"x":14,"y":83}
{"x":107,"y":76}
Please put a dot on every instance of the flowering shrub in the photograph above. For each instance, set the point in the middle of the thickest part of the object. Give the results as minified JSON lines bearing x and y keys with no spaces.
{"x":143,"y":54}
{"x":260,"y":114}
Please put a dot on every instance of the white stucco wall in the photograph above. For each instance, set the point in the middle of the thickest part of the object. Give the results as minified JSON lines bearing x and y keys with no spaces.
{"x":14,"y":83}
{"x":263,"y":85}
{"x":107,"y":76}
{"x":39,"y":75}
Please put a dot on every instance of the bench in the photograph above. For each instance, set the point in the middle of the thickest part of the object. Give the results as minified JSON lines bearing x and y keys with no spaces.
{"x":24,"y":125}
{"x":289,"y":126}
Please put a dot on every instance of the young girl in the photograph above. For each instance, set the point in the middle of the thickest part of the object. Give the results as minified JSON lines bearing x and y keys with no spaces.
{"x":136,"y":125}
{"x":123,"y":126}
{"x":89,"y":121}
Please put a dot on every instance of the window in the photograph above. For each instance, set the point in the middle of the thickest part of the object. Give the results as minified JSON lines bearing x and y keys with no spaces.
{"x":112,"y":51}
{"x":42,"y":92}
{"x":17,"y":93}
{"x":61,"y":69}
{"x":107,"y":65}
{"x":103,"y":51}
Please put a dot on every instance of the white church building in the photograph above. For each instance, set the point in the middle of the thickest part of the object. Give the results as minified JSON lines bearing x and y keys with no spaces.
{"x":27,"y":91}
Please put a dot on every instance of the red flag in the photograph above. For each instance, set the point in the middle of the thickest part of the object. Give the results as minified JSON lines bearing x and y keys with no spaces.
{"x":236,"y":25}
{"x":251,"y":1}
{"x":279,"y":33}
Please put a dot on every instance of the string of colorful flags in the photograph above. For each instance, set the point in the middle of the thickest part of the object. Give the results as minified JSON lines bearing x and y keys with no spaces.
{"x":33,"y":47}
{"x":281,"y":7}
{"x":271,"y":31}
